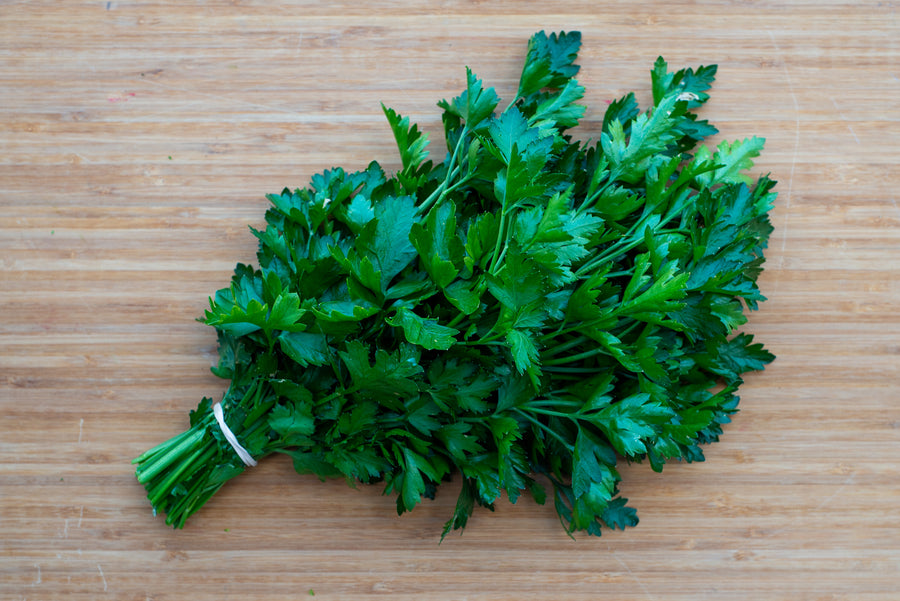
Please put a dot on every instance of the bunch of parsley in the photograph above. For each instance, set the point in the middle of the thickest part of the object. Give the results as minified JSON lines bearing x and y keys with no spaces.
{"x":524,"y":315}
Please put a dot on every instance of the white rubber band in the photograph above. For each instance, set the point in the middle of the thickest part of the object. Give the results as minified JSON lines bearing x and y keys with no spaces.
{"x":231,"y":438}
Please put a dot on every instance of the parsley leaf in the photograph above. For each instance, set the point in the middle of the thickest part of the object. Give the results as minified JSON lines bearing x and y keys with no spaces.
{"x":427,"y":333}
{"x":550,"y":62}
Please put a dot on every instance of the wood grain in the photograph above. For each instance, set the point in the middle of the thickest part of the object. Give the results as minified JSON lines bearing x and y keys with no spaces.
{"x":137,"y":140}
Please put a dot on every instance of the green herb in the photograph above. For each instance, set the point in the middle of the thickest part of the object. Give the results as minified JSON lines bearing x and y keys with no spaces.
{"x":524,"y":315}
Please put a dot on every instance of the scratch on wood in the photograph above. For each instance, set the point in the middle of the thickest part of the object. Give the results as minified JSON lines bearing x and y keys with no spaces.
{"x":102,"y":577}
{"x":634,"y":576}
{"x":840,"y":489}
{"x":80,"y":429}
{"x":790,"y":84}
{"x":847,"y":482}
{"x":894,"y":202}
{"x":790,"y":183}
{"x":845,"y":120}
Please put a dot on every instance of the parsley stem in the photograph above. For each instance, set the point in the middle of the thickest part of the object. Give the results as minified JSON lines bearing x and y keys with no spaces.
{"x":555,"y":402}
{"x":633,"y":238}
{"x":491,"y":339}
{"x":599,"y":350}
{"x":594,"y":323}
{"x":564,"y":346}
{"x":178,"y":514}
{"x":161,"y":448}
{"x":611,"y":253}
{"x":456,"y":320}
{"x":452,"y":170}
{"x":502,"y":254}
{"x":629,"y":328}
{"x":492,"y":266}
{"x":169,"y":457}
{"x":537,"y":409}
{"x":198,"y":458}
{"x":590,"y":200}
{"x":258,"y":409}
{"x":342,"y":392}
{"x":573,"y":370}
{"x":545,"y":428}
{"x":436,"y":197}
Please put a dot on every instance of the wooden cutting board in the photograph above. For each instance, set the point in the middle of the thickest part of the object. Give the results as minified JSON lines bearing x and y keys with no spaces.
{"x":137,"y":140}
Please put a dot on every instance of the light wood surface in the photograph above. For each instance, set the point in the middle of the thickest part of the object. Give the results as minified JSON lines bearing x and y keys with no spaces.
{"x":137,"y":140}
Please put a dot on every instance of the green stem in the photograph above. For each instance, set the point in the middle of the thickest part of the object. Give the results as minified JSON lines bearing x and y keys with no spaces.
{"x":629,"y":328}
{"x":440,"y":192}
{"x":183,"y":473}
{"x":537,"y":409}
{"x":502,"y":254}
{"x":160,"y":448}
{"x":571,"y":370}
{"x":195,"y":460}
{"x":631,"y":239}
{"x":609,"y":180}
{"x":257,"y":408}
{"x":546,"y":429}
{"x":492,"y":266}
{"x":164,"y":460}
{"x":612,"y":316}
{"x":559,"y":348}
{"x":487,"y":340}
{"x":199,"y":494}
{"x":556,"y":402}
{"x":452,"y":170}
{"x":573,"y":358}
{"x":456,"y":320}
{"x":611,"y":253}
{"x":342,"y":392}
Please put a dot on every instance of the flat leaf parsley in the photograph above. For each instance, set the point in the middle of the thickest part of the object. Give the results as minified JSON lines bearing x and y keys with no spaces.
{"x":524,"y":315}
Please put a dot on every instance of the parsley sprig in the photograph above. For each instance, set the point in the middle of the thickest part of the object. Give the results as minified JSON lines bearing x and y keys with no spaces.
{"x":524,"y":315}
